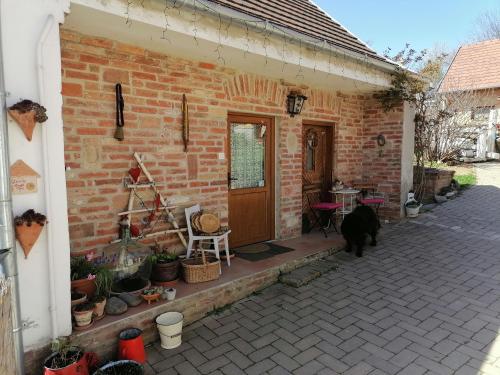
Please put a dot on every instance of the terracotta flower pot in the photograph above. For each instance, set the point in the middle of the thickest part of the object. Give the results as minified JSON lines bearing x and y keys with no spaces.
{"x":83,"y":318}
{"x":28,"y":235}
{"x":26,"y":122}
{"x":77,"y":301}
{"x":85,"y":286}
{"x":99,"y":309}
{"x":163,"y":272}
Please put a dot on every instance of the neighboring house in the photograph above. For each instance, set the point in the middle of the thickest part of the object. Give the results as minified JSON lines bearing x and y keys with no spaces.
{"x":236,"y":62}
{"x":476,"y":69}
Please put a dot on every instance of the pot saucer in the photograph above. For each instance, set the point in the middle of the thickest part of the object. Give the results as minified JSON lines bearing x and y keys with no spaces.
{"x":83,"y":328}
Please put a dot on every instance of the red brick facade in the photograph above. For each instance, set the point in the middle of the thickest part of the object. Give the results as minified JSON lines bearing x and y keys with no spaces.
{"x":153,"y":85}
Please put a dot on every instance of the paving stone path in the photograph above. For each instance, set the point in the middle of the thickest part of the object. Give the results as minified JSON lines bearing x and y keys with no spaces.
{"x":425,"y":301}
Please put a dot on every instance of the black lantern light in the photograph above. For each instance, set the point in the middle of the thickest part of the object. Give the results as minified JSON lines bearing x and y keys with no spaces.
{"x":295,"y":102}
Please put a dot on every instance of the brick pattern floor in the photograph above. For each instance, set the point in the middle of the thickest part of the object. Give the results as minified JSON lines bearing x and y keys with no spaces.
{"x":425,"y":301}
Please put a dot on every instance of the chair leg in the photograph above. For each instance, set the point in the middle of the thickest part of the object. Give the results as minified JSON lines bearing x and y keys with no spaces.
{"x":189,"y":248}
{"x":226,"y":246}
{"x":216,"y":250}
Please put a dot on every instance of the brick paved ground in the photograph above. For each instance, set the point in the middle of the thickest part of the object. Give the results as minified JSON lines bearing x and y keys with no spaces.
{"x":425,"y":301}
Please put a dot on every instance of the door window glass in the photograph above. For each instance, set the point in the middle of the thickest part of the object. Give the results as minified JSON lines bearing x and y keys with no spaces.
{"x":248,"y":147}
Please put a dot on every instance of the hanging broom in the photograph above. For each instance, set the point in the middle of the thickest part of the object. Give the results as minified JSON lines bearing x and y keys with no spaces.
{"x":119,"y":113}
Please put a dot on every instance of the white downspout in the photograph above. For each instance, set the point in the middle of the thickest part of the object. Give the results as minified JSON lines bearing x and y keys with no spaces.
{"x":47,"y":28}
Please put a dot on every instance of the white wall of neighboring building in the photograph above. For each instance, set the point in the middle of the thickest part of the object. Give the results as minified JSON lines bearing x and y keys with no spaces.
{"x":44,"y":275}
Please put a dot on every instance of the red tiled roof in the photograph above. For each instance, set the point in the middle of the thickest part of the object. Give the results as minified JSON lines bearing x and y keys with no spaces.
{"x":304,"y":17}
{"x":475,"y":66}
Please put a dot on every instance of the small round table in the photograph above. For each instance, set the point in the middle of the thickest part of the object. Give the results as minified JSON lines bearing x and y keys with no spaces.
{"x":347,"y":195}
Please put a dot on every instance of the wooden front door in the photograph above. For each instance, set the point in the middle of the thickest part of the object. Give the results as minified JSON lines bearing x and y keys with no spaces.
{"x":250,"y":179}
{"x":317,"y":161}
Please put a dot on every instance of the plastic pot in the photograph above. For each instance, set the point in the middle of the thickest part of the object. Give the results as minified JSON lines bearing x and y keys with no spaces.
{"x":131,"y":345}
{"x":79,"y":367}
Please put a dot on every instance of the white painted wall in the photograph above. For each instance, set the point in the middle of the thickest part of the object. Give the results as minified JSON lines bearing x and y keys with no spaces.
{"x":22,"y":23}
{"x":407,"y":149}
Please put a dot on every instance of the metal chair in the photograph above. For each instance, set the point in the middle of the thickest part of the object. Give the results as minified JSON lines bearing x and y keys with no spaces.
{"x":369,"y":196}
{"x":322,"y":210}
{"x":205,"y":237}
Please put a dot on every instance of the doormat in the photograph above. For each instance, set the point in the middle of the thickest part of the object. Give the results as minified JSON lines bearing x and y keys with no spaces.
{"x":260,"y":251}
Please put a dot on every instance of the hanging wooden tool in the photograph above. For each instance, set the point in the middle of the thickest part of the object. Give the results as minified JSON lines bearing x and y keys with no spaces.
{"x":185,"y":122}
{"x":120,"y":103}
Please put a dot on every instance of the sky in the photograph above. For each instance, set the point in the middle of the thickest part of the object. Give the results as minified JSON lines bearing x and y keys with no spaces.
{"x":422,"y":23}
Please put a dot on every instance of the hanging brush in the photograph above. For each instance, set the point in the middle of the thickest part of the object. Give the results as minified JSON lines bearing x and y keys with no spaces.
{"x":119,"y":113}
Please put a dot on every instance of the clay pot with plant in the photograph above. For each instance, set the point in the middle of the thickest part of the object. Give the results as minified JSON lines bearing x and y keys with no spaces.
{"x":165,"y":267}
{"x":67,"y":359}
{"x":83,"y":274}
{"x":77,"y":298}
{"x":28,"y":227}
{"x":103,"y":281}
{"x":83,"y":313}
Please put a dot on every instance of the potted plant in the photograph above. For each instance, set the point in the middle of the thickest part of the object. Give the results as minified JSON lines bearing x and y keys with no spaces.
{"x":28,"y":228}
{"x":83,"y":273}
{"x":123,"y":367}
{"x":151,"y":295}
{"x":104,"y":282}
{"x":165,"y":268}
{"x":77,"y":298}
{"x":412,"y":208}
{"x":83,"y":313}
{"x":27,"y":113}
{"x":67,"y":359}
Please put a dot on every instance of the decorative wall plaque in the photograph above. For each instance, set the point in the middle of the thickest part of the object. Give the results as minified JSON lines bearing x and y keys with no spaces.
{"x":23,"y":178}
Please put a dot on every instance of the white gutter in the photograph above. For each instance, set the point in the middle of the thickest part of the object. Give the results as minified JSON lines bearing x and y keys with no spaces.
{"x":49,"y":24}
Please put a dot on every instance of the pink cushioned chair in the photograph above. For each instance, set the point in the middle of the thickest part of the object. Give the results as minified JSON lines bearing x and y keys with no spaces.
{"x":369,"y":196}
{"x":322,"y":210}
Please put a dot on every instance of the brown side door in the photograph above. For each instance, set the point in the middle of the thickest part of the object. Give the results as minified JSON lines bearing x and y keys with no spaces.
{"x":250,"y":179}
{"x":317,"y":161}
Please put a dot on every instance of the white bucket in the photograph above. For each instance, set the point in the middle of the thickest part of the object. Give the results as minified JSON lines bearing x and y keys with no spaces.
{"x":170,"y":327}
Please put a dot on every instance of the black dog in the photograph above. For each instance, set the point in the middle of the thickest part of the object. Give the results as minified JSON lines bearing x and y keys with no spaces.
{"x":357,"y":225}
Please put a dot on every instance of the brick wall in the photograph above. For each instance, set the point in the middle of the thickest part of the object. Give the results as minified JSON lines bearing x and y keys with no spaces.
{"x":153,"y":85}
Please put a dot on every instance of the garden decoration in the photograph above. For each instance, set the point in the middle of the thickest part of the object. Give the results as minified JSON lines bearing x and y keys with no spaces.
{"x":158,"y":211}
{"x":185,"y":122}
{"x":23,"y":178}
{"x":120,"y":122}
{"x":27,"y":113}
{"x":151,"y":295}
{"x":28,"y":228}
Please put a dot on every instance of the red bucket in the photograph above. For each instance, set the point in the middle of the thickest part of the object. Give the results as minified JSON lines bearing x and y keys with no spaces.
{"x":131,"y":345}
{"x":79,"y":367}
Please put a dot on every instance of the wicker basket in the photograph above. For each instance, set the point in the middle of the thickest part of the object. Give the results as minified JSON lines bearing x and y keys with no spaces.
{"x":199,"y":270}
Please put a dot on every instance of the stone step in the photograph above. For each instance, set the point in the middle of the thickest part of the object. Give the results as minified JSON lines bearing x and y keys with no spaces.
{"x":304,"y":275}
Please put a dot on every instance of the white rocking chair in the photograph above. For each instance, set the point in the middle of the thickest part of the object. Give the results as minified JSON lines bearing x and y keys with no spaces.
{"x":205,"y":237}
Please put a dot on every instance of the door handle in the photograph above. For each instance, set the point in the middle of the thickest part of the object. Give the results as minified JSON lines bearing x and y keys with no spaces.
{"x":230,"y":178}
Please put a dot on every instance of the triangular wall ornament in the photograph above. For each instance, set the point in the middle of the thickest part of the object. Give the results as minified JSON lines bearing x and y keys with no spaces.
{"x":26,"y":122}
{"x":27,"y":236}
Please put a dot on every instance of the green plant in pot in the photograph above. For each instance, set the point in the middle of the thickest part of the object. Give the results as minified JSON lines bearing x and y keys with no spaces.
{"x":83,"y":273}
{"x":104,"y":282}
{"x":83,"y":313}
{"x":165,"y":267}
{"x":68,"y":359}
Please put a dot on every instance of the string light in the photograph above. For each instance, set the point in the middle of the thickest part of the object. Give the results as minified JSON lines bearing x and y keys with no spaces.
{"x":262,"y":27}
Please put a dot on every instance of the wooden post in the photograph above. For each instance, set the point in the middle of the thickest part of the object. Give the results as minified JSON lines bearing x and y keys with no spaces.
{"x":7,"y":365}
